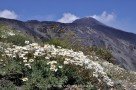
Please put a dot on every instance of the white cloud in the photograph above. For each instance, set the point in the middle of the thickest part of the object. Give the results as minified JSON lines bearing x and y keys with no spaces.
{"x":109,"y":19}
{"x":105,"y":17}
{"x":68,"y":18}
{"x":8,"y":14}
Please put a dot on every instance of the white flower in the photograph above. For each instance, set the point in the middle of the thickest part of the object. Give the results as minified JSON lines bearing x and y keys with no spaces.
{"x":31,"y":60}
{"x":53,"y":67}
{"x":11,"y":33}
{"x":71,"y":57}
{"x":3,"y":36}
{"x":36,"y":54}
{"x":28,"y":65}
{"x":47,"y":58}
{"x":67,"y":59}
{"x":52,"y":62}
{"x":45,"y":46}
{"x":97,"y":57}
{"x":21,"y":55}
{"x":60,"y":66}
{"x":9,"y":55}
{"x":6,"y":51}
{"x":24,"y":60}
{"x":14,"y":56}
{"x":26,"y":42}
{"x":25,"y":79}
{"x":86,"y":61}
{"x":95,"y":74}
{"x":66,"y":62}
{"x":4,"y":64}
{"x":1,"y":60}
{"x":110,"y":83}
{"x":34,"y":44}
{"x":55,"y":70}
{"x":59,"y":47}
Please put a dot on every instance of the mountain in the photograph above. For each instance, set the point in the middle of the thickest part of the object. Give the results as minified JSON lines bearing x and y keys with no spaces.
{"x":83,"y":33}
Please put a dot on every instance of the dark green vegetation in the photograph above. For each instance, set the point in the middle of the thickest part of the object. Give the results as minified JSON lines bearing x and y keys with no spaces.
{"x":103,"y":53}
{"x":58,"y":42}
{"x":40,"y":77}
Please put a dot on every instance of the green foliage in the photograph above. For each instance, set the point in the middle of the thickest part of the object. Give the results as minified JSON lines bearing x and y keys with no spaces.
{"x":59,"y":42}
{"x":103,"y":53}
{"x":10,"y":67}
{"x":7,"y":85}
{"x":41,"y":77}
{"x":17,"y":39}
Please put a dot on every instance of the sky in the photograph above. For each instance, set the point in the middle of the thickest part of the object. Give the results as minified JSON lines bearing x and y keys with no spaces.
{"x":120,"y":14}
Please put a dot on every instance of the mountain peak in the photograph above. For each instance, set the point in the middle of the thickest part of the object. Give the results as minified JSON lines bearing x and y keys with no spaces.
{"x":87,"y":21}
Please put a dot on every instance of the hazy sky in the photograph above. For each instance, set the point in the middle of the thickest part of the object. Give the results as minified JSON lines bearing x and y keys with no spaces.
{"x":117,"y":13}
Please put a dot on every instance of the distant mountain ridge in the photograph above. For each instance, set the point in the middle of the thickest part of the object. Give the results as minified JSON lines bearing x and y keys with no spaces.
{"x":86,"y":32}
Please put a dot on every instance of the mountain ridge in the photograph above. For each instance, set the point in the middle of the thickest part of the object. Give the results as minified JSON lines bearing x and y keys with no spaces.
{"x":32,"y":21}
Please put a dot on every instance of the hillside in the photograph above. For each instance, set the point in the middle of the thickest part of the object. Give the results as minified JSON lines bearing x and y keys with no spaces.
{"x":85,"y":54}
{"x":84,"y":33}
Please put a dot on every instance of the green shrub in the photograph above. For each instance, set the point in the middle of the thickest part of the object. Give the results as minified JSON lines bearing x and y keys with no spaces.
{"x":59,"y":42}
{"x":103,"y":53}
{"x":41,"y":77}
{"x":7,"y":85}
{"x":16,"y":40}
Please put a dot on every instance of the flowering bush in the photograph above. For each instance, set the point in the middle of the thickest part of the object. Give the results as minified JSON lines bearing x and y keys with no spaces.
{"x":40,"y":66}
